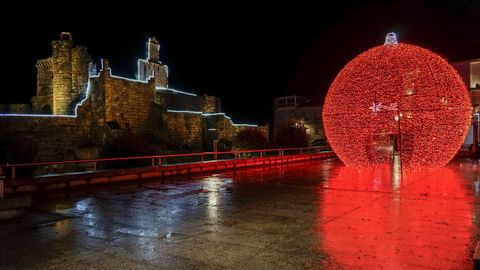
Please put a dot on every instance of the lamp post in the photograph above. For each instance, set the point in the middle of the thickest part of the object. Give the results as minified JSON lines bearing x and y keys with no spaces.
{"x":475,"y":134}
{"x":215,"y":147}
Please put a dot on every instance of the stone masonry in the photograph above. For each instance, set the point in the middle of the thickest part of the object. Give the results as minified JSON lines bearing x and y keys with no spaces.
{"x":78,"y":110}
{"x":62,"y":79}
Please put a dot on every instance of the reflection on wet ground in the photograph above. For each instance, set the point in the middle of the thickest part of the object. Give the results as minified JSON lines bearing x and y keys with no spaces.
{"x":307,"y":215}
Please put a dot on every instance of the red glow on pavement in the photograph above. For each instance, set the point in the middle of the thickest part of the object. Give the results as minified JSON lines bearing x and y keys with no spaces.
{"x":375,"y":220}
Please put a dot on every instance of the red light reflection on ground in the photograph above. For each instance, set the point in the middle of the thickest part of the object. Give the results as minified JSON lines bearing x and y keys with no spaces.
{"x":376,"y":220}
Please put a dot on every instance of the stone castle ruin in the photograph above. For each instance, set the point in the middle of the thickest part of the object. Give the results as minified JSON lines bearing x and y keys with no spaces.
{"x":77,"y":108}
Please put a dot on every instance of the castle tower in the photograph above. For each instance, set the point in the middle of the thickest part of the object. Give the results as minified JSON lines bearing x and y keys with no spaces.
{"x":42,"y":102}
{"x":62,"y":73}
{"x":153,"y":53}
{"x":62,"y":79}
{"x":152,"y":66}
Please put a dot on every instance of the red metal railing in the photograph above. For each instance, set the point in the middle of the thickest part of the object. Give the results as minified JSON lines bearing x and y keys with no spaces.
{"x":157,"y":160}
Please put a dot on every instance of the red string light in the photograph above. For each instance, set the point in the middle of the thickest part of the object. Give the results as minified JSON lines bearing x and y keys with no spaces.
{"x":397,"y":98}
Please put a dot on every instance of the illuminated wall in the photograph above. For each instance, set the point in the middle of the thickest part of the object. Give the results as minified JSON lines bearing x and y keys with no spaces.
{"x":152,"y":66}
{"x":61,"y":79}
{"x":89,"y":109}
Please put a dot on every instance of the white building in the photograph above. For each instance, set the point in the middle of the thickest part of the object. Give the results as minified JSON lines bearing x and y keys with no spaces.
{"x":470,"y":72}
{"x":299,"y":110}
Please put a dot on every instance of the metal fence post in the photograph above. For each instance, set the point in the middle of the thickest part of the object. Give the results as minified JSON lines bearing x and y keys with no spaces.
{"x":2,"y":184}
{"x":215,"y":148}
{"x":13,"y":172}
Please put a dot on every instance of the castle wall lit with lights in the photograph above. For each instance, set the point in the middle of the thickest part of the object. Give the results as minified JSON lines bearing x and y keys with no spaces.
{"x":77,"y":108}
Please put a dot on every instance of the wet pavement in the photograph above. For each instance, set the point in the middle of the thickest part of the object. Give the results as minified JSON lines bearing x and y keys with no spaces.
{"x":316,"y":215}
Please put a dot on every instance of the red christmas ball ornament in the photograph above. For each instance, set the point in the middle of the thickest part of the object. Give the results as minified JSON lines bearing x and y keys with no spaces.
{"x":397,"y":99}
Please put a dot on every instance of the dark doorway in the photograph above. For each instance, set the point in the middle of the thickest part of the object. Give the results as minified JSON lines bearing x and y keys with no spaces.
{"x":46,"y":109}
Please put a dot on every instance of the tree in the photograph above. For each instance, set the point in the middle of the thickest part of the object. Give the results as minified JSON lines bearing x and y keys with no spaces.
{"x":251,"y":138}
{"x":292,"y":134}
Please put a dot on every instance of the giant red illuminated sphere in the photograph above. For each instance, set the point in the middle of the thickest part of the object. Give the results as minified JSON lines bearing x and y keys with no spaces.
{"x":397,"y":99}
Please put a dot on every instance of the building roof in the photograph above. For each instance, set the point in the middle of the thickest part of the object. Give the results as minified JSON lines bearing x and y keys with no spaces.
{"x":311,"y":103}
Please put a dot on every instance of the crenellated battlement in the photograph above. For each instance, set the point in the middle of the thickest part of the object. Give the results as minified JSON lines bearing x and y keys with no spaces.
{"x":76,"y":107}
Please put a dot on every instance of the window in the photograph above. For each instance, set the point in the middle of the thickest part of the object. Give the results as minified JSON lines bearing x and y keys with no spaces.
{"x":113,"y":125}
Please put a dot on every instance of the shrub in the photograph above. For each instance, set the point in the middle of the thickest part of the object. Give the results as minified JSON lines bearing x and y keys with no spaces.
{"x":292,"y":135}
{"x":251,"y":138}
{"x":130,"y":145}
{"x":224,"y":145}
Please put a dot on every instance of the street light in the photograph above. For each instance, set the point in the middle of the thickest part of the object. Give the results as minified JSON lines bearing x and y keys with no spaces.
{"x":475,"y":134}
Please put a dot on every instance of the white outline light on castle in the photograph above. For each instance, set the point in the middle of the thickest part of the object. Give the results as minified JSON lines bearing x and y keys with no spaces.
{"x":80,"y":103}
{"x":166,"y":89}
{"x":213,"y":114}
{"x":157,"y":88}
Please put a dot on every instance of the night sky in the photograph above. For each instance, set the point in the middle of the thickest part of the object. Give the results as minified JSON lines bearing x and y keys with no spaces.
{"x":244,"y":52}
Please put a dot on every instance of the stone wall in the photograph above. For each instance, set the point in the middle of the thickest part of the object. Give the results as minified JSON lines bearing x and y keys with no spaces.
{"x":15,"y":108}
{"x":63,"y":78}
{"x":211,"y":104}
{"x":81,"y":62}
{"x":147,"y":69}
{"x":54,"y":138}
{"x":176,"y":101}
{"x":183,"y":102}
{"x":59,"y":138}
{"x":221,"y":126}
{"x":184,"y":129}
{"x":115,"y":106}
{"x":20,"y":108}
{"x":91,"y":110}
{"x":129,"y":103}
{"x":151,"y":66}
{"x":43,"y":101}
{"x":62,"y":75}
{"x":202,"y":128}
